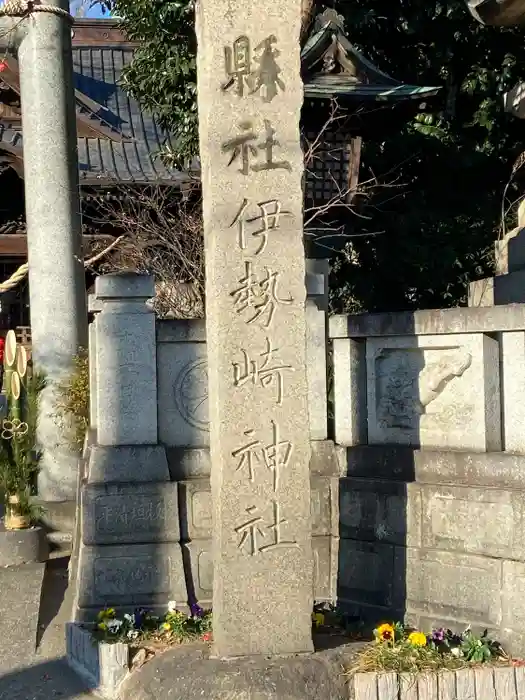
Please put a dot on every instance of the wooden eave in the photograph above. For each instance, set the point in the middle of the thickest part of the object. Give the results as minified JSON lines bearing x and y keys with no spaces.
{"x":99,"y":32}
{"x":333,"y":67}
{"x":15,"y":244}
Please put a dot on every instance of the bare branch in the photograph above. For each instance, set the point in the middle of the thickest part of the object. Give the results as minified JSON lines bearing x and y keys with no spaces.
{"x":161,"y":235}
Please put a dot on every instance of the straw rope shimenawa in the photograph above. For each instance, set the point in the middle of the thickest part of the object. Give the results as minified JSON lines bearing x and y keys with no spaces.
{"x":23,"y":8}
{"x":22,"y":271}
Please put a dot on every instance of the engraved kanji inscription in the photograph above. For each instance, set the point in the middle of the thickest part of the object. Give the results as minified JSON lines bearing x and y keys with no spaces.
{"x":238,"y":66}
{"x":268,"y":220}
{"x":265,"y":78}
{"x":259,"y":295}
{"x":244,"y":150}
{"x":250,"y":531}
{"x":253,"y":532}
{"x":275,"y":456}
{"x":248,"y":455}
{"x":267,"y":371}
{"x":249,"y":74}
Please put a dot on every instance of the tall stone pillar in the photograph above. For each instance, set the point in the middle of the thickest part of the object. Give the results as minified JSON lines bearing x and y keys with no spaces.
{"x":250,"y":96}
{"x":56,"y":272}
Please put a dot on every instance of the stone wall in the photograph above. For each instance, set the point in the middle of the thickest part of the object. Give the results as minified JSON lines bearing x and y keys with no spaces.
{"x":417,"y":508}
{"x":428,"y":407}
{"x":182,"y":508}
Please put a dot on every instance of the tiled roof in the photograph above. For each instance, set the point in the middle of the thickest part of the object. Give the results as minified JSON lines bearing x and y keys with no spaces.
{"x":125,"y":141}
{"x":134,"y":157}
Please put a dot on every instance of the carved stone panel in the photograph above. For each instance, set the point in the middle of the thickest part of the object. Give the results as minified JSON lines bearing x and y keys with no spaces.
{"x":434,"y":391}
{"x":183,"y":394}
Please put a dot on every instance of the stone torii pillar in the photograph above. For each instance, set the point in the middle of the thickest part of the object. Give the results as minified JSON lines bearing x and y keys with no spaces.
{"x":41,"y":35}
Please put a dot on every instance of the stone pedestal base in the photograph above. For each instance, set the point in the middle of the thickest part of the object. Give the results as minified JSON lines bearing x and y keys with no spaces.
{"x":22,"y":546}
{"x":128,"y":552}
{"x":188,"y":673}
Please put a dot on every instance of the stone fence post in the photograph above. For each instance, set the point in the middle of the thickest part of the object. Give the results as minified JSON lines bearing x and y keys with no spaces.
{"x":126,"y":361}
{"x":129,"y":551}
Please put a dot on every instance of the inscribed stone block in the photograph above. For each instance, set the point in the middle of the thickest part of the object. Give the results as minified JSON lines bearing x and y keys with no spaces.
{"x":350,"y":391}
{"x":477,"y":520}
{"x":253,"y":167}
{"x":133,"y":513}
{"x":182,"y":373}
{"x":383,"y":511}
{"x":513,"y":386}
{"x":130,"y":575}
{"x":438,"y":391}
{"x":451,"y":585}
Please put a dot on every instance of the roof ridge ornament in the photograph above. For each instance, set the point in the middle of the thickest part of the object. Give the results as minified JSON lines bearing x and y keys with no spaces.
{"x":329,"y":16}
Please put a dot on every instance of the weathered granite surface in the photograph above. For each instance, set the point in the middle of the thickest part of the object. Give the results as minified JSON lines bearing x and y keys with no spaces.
{"x":250,"y":97}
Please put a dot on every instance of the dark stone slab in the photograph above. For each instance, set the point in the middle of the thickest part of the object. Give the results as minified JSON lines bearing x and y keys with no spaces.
{"x":130,"y":513}
{"x":494,"y":469}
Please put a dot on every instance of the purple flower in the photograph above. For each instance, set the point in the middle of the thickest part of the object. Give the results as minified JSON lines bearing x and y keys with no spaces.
{"x":139,"y":617}
{"x":196,"y":610}
{"x":438,"y":635}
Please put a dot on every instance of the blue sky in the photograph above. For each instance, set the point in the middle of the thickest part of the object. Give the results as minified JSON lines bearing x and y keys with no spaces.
{"x":88,"y":11}
{"x":85,"y":4}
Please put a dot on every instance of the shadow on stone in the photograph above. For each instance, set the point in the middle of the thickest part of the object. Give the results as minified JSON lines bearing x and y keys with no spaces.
{"x":51,"y":679}
{"x":54,"y":589}
{"x":188,"y":672}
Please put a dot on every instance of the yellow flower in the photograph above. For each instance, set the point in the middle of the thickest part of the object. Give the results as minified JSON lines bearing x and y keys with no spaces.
{"x":318,"y":619}
{"x":417,"y":639}
{"x":166,"y":626}
{"x":106,"y":614}
{"x":385,"y":632}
